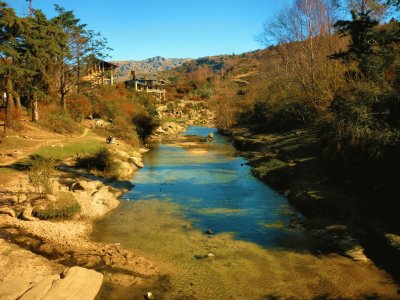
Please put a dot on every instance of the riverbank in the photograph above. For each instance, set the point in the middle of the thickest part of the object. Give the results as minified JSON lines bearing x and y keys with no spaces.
{"x":34,"y":252}
{"x":188,"y":186}
{"x":337,"y":219}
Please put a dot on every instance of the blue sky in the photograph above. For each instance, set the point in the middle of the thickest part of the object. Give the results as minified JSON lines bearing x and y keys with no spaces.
{"x":170,"y":28}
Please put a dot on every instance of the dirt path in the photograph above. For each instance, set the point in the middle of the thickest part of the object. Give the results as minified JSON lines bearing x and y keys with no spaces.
{"x":23,"y":152}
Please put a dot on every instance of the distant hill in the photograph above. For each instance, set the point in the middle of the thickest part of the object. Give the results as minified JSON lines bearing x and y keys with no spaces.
{"x":150,"y":65}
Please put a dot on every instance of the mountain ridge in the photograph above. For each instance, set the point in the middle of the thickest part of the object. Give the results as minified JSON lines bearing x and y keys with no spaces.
{"x":150,"y":65}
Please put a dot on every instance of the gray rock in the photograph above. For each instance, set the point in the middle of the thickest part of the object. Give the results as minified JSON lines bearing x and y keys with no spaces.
{"x":76,"y":284}
{"x":393,"y":241}
{"x":150,"y":296}
{"x":13,"y":198}
{"x":357,"y":253}
{"x":14,"y":289}
{"x":125,"y":169}
{"x":40,"y":290}
{"x":50,"y":198}
{"x":136,"y":161}
{"x":7,"y":211}
{"x":22,"y":198}
{"x":27,"y":214}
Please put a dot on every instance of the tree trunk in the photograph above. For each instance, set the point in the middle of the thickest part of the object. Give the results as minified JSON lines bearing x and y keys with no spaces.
{"x":63,"y":87}
{"x":78,"y":74}
{"x":63,"y":101}
{"x":10,"y":101}
{"x":35,"y":113}
{"x":17,"y":101}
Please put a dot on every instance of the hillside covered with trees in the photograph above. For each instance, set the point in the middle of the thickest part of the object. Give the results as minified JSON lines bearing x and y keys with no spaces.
{"x":44,"y":65}
{"x":327,"y":87}
{"x":320,"y":69}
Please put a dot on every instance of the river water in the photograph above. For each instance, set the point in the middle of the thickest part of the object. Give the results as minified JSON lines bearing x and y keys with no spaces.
{"x":182,"y":191}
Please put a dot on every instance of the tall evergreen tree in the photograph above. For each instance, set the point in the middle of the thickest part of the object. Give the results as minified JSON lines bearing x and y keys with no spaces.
{"x":43,"y":47}
{"x":11,"y":39}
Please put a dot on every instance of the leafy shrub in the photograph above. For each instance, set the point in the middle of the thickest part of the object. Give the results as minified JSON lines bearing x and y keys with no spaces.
{"x":65,"y":207}
{"x":272,"y":116}
{"x":39,"y":174}
{"x":54,"y":118}
{"x":355,"y":131}
{"x":145,"y":124}
{"x":79,"y":106}
{"x":102,"y":161}
{"x":122,"y":129}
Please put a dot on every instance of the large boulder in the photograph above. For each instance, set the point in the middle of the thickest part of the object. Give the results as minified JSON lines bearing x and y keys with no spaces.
{"x":96,"y":204}
{"x":125,"y":170}
{"x":136,"y":161}
{"x":87,"y":186}
{"x":76,"y":283}
{"x":7,"y":211}
{"x":14,"y":289}
{"x":27,"y":213}
{"x":172,"y":128}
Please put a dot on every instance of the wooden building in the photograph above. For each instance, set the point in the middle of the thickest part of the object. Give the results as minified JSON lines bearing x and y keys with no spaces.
{"x":100,"y":72}
{"x":147,"y":82}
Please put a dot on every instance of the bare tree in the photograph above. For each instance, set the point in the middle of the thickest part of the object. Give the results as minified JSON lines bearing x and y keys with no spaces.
{"x":303,"y":38}
{"x":376,"y":8}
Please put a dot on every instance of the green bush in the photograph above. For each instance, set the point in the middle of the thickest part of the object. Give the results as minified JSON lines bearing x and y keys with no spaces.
{"x":60,"y":122}
{"x":277,"y":116}
{"x":102,"y":161}
{"x":145,"y":124}
{"x":39,"y":174}
{"x":65,"y":207}
{"x":358,"y":131}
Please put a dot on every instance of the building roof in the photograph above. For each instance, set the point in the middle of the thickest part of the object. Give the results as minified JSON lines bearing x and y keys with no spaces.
{"x":106,"y":65}
{"x":146,"y":76}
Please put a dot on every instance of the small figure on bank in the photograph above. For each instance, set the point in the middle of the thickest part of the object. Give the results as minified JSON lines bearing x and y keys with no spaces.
{"x":110,"y":140}
{"x":210,"y":137}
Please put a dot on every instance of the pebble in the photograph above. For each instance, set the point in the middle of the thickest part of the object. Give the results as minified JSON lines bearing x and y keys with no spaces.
{"x":150,"y":296}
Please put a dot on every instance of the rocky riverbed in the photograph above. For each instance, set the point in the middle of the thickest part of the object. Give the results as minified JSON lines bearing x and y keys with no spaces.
{"x":41,"y":259}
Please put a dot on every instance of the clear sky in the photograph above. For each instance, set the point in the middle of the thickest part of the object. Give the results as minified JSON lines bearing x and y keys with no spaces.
{"x":139,"y":29}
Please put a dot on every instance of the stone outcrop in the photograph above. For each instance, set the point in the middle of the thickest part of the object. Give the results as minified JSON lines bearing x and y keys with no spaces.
{"x":94,"y":198}
{"x":27,"y":213}
{"x":7,"y":211}
{"x":74,"y":283}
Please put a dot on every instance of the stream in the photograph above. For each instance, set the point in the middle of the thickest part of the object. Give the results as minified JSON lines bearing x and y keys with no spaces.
{"x":186,"y":189}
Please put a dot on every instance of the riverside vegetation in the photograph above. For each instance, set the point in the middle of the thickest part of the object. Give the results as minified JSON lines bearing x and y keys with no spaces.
{"x":315,"y":113}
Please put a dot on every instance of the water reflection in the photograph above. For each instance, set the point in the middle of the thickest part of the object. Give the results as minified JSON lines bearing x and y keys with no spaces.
{"x":180,"y":193}
{"x":213,"y":188}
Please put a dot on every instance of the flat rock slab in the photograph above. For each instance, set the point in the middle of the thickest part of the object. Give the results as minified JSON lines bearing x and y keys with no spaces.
{"x":75,"y":283}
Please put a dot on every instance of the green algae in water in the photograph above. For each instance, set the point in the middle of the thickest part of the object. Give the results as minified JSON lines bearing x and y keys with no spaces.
{"x":213,"y":211}
{"x":174,"y":197}
{"x":238,"y":270}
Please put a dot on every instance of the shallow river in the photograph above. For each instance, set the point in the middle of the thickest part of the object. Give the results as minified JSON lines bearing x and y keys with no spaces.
{"x":183,"y":191}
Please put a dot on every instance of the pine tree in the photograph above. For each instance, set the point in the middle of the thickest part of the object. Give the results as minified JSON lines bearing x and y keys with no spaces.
{"x":11,"y":39}
{"x":43,"y":44}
